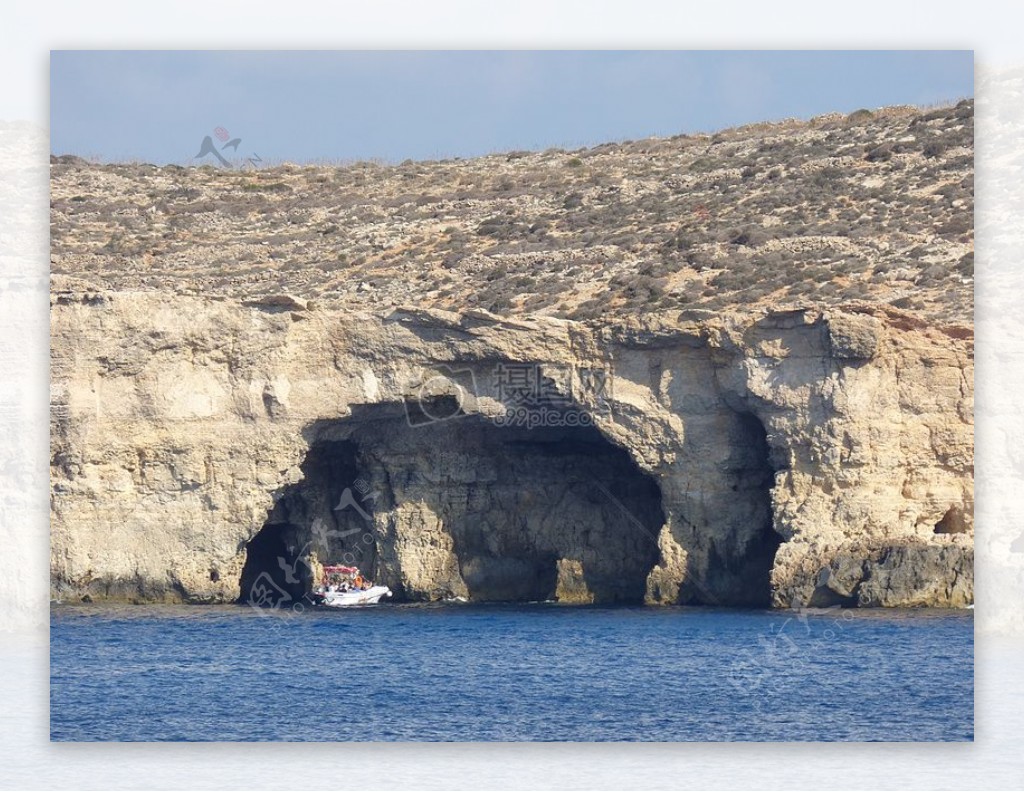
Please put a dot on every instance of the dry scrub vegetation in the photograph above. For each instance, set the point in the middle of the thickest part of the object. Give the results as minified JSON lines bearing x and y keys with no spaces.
{"x":874,"y":206}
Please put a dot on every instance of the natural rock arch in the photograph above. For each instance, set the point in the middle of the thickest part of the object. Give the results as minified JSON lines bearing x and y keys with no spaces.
{"x":463,"y":507}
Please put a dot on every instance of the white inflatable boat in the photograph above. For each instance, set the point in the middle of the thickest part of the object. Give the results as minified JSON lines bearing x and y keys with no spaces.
{"x":346,"y":599}
{"x":345,"y":587}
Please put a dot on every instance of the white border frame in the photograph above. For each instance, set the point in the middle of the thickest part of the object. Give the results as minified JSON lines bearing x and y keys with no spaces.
{"x":27,"y":760}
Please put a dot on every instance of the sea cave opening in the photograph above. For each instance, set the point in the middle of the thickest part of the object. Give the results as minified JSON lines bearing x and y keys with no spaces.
{"x":273,"y":574}
{"x":740,"y":565}
{"x":281,"y":559}
{"x":463,"y":507}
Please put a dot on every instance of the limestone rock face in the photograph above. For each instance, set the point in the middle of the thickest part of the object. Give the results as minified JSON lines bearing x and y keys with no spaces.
{"x":208,"y":450}
{"x":853,"y":337}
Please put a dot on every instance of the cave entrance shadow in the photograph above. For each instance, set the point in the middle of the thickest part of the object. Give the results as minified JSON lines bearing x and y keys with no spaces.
{"x":273,"y":573}
{"x":529,"y":514}
{"x":569,"y":517}
{"x":281,"y":559}
{"x":736,"y":569}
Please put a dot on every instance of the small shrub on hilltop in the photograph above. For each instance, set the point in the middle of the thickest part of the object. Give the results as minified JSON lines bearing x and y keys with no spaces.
{"x":955,"y":226}
{"x":882,"y":153}
{"x":829,"y":177}
{"x":748,"y":237}
{"x":859,"y":116}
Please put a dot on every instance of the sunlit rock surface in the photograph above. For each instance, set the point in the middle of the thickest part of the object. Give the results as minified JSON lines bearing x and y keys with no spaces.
{"x":203,"y":449}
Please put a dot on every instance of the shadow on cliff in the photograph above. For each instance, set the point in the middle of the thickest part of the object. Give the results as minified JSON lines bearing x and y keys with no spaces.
{"x":730,"y":537}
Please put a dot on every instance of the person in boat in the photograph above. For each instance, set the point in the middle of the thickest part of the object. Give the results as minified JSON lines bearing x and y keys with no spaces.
{"x":360,"y":583}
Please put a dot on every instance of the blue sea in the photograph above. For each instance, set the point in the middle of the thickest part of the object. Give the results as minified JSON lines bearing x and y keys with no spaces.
{"x":509,"y":672}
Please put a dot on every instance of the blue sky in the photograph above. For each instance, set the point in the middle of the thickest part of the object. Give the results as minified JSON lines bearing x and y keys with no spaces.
{"x":308,"y":106}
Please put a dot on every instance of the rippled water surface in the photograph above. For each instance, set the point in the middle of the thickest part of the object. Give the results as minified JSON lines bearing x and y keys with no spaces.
{"x":529,"y":672}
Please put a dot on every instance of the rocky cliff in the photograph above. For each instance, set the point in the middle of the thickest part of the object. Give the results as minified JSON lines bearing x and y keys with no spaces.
{"x":211,"y":449}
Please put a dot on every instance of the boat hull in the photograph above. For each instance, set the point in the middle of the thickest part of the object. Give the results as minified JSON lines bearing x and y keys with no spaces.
{"x":350,"y":599}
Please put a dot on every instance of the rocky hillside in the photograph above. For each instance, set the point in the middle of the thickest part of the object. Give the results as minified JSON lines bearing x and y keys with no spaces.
{"x":874,"y":207}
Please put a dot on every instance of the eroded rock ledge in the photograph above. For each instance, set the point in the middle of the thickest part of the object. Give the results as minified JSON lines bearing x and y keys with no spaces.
{"x":205,"y":449}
